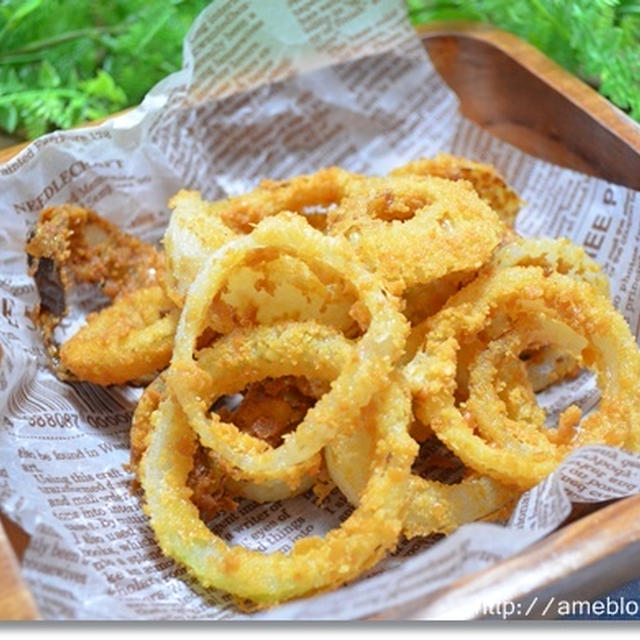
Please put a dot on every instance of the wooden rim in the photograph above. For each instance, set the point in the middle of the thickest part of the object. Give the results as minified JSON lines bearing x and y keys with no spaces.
{"x":611,"y":534}
{"x":533,"y":60}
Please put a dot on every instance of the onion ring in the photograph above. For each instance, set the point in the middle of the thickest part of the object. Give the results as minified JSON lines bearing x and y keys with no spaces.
{"x":362,"y":377}
{"x":233,"y":361}
{"x":553,"y":255}
{"x":310,"y":196}
{"x":549,"y":363}
{"x":193,"y":233}
{"x":433,"y":507}
{"x":280,"y":289}
{"x":430,"y":226}
{"x":127,"y":341}
{"x":519,"y":292}
{"x":197,"y":227}
{"x":362,"y":540}
{"x":141,"y":426}
{"x":487,"y":182}
{"x":496,"y":369}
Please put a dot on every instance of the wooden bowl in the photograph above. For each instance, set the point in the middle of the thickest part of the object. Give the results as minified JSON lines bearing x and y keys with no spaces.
{"x":519,"y":95}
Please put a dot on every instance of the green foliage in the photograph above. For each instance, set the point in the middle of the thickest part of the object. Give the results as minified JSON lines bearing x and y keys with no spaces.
{"x":598,"y":40}
{"x":63,"y":62}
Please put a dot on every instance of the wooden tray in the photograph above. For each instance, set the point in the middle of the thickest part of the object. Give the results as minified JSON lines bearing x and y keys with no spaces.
{"x":519,"y":95}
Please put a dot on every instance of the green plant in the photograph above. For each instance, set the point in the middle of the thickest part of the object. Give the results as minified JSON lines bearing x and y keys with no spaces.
{"x":63,"y":62}
{"x":598,"y":40}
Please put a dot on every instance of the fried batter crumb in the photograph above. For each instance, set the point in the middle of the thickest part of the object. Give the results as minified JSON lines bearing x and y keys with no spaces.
{"x":269,"y":410}
{"x":70,"y":245}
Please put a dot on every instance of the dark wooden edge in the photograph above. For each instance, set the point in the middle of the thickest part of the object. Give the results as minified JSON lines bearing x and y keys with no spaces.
{"x":550,"y":568}
{"x":513,"y":90}
{"x":557,"y":78}
{"x":16,"y":602}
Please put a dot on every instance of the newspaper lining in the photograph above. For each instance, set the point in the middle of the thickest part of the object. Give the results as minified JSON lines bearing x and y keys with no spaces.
{"x":268,"y":90}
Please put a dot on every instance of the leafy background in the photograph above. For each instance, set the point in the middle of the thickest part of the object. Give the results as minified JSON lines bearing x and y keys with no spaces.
{"x":63,"y":62}
{"x":597,"y":40}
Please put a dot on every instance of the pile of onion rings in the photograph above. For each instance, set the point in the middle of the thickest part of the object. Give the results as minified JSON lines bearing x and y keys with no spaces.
{"x":358,"y":317}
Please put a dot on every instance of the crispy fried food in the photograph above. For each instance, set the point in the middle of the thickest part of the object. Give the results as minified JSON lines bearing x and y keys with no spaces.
{"x":194,"y":232}
{"x":281,"y":289}
{"x":232,"y":363}
{"x":433,"y":507}
{"x":273,"y":407}
{"x":72,"y":245}
{"x":314,"y":564}
{"x":197,"y":228}
{"x":450,"y":228}
{"x":545,"y":364}
{"x":362,"y":377}
{"x":553,"y":255}
{"x":209,"y":493}
{"x":502,"y":402}
{"x":548,"y":364}
{"x":276,"y":290}
{"x":355,"y":317}
{"x":84,"y":247}
{"x":269,"y":409}
{"x":424,"y":300}
{"x":489,"y":184}
{"x":129,"y":341}
{"x":312,"y":196}
{"x":522,"y":293}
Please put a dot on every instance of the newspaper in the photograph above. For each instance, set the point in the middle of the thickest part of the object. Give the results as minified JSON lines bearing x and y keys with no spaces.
{"x":269,"y":89}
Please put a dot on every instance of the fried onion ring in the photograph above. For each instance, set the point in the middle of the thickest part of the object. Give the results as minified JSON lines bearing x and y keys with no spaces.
{"x":553,"y":255}
{"x":206,"y":475}
{"x":280,"y":289}
{"x":434,"y":507}
{"x":361,"y":378}
{"x":233,"y":361}
{"x":520,"y":292}
{"x":450,"y":227}
{"x":308,"y":195}
{"x":501,"y":398}
{"x":197,"y":227}
{"x":488,"y":183}
{"x":127,"y":341}
{"x":549,"y":363}
{"x":267,"y":579}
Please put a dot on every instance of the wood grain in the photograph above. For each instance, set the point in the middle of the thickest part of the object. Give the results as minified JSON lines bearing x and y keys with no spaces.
{"x":9,"y":152}
{"x":519,"y":95}
{"x":514,"y":91}
{"x":610,"y":535}
{"x":16,"y":602}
